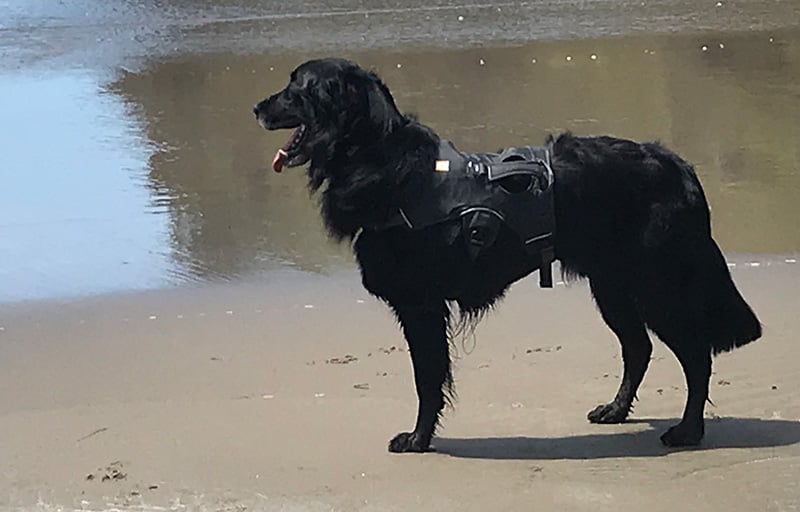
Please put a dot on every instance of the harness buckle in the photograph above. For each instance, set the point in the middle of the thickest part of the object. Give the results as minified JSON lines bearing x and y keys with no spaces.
{"x":546,"y":270}
{"x":476,"y":167}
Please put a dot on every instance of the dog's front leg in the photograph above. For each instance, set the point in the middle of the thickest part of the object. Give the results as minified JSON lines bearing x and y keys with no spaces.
{"x":425,"y":329}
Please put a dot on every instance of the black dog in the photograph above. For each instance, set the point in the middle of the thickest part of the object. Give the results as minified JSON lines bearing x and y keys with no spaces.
{"x":630,"y":217}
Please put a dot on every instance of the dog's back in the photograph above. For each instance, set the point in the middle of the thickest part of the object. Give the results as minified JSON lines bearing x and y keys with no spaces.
{"x":635,"y":213}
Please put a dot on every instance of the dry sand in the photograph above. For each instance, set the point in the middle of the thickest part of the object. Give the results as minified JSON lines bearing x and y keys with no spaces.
{"x":282,"y":395}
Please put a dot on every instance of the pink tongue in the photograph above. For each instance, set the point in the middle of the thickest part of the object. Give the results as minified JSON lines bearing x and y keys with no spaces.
{"x":278,"y":160}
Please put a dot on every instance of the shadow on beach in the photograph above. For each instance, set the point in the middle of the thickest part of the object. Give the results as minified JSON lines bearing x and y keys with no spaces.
{"x":720,"y":433}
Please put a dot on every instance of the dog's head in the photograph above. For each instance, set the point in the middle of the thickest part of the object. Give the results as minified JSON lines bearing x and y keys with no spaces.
{"x":329,"y":103}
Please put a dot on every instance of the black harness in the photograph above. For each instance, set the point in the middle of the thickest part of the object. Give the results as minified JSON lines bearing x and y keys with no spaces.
{"x":486,"y":190}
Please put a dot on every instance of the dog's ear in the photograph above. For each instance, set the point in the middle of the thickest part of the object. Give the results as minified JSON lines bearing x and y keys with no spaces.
{"x":383,"y":112}
{"x":382,"y":108}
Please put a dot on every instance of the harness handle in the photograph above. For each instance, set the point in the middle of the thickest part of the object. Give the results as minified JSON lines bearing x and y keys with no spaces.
{"x":499,"y":170}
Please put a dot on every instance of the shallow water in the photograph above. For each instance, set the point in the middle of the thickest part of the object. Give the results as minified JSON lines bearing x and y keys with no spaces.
{"x":75,"y":216}
{"x":160,"y":176}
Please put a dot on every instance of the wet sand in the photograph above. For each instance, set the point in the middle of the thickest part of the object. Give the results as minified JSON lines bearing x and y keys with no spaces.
{"x":259,"y":396}
{"x":121,"y":34}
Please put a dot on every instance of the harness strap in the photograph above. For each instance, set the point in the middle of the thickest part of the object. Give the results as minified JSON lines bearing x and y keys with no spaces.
{"x":500,"y":170}
{"x":469,"y":188}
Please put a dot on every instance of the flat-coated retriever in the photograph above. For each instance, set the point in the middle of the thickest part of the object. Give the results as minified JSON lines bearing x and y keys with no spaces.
{"x":631,"y":217}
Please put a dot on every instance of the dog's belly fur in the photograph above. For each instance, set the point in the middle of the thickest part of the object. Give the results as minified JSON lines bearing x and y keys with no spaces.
{"x":395,"y":274}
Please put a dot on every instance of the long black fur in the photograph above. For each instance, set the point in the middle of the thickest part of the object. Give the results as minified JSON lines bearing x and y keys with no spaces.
{"x":631,"y":217}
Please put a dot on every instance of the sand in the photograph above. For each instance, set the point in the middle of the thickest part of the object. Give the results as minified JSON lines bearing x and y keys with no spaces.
{"x":282,"y":394}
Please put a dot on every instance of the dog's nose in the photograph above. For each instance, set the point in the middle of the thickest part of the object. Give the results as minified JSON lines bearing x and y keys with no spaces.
{"x":255,"y":110}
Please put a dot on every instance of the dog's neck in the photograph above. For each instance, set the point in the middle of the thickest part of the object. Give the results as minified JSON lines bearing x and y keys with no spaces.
{"x":365,"y":181}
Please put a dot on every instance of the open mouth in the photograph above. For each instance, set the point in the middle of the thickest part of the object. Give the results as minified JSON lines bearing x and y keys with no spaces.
{"x":288,"y":154}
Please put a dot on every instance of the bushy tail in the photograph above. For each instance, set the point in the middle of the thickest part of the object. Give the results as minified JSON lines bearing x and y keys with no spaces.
{"x":730,"y":321}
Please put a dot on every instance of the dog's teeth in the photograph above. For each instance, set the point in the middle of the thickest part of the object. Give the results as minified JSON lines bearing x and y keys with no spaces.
{"x":283,"y":153}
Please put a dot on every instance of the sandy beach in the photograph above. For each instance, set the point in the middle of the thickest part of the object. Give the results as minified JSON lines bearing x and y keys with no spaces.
{"x":258,"y":396}
{"x":177,"y":333}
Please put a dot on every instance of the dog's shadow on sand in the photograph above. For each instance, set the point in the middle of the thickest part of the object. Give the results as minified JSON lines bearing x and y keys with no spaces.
{"x":720,"y":433}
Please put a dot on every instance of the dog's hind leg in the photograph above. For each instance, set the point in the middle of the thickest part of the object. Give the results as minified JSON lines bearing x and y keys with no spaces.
{"x":673,"y":309}
{"x":425,"y":329}
{"x":619,"y":312}
{"x":695,"y":359}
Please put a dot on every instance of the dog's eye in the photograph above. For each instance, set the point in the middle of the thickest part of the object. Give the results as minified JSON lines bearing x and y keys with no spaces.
{"x":293,"y":94}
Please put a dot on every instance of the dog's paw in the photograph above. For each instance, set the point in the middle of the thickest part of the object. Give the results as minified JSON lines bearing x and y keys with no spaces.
{"x":608,"y":413}
{"x":683,"y":435}
{"x":409,"y":442}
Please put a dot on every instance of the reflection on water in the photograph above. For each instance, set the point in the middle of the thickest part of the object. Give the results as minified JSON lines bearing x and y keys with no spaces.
{"x":729,"y":103}
{"x":72,"y":221}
